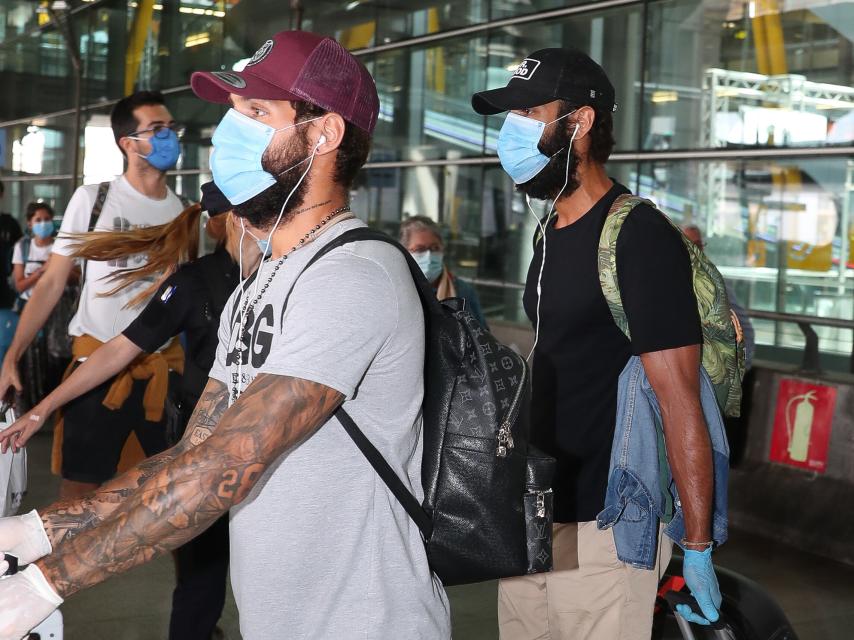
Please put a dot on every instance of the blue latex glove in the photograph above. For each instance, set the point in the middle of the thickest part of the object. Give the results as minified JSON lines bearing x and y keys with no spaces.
{"x":700,"y":577}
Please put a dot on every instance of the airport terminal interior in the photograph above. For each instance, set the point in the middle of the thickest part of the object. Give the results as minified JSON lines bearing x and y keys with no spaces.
{"x":736,"y":116}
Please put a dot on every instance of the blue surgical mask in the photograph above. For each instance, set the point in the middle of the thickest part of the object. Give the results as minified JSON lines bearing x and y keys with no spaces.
{"x":518,"y":148}
{"x":43,"y":229}
{"x":431,"y":263}
{"x":165,"y":149}
{"x":265,"y":245}
{"x":239,"y":143}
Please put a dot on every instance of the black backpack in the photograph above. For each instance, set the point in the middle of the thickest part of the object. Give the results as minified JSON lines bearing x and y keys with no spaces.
{"x":487,"y":509}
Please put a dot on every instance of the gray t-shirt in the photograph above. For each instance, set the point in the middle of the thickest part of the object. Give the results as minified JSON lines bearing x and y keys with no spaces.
{"x":320,"y":548}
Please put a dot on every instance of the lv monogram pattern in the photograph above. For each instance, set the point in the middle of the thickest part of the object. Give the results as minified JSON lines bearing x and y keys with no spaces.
{"x":485,"y":390}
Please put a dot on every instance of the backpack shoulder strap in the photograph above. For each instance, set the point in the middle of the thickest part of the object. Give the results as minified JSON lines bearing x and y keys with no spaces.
{"x":100,"y":198}
{"x":607,"y":255}
{"x":25,"y":249}
{"x":395,"y":485}
{"x":425,"y":290}
{"x":374,"y":457}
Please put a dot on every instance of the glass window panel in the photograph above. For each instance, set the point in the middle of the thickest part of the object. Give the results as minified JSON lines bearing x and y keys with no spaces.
{"x":425,"y":101}
{"x":612,"y":38}
{"x":780,"y":232}
{"x":488,"y":227}
{"x":18,"y":193}
{"x":782,"y":76}
{"x":38,"y":147}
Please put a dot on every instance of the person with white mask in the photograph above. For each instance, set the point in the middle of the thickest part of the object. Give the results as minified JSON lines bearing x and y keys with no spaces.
{"x":554,"y":144}
{"x":423,"y":239}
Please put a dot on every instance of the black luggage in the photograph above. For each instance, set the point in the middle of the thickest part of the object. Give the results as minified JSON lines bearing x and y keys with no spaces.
{"x":748,"y":612}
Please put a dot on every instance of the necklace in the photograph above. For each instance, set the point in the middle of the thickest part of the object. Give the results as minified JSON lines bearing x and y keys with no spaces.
{"x":243,"y":342}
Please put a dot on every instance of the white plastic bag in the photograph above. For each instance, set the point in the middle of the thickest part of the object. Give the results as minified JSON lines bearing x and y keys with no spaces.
{"x":13,"y":474}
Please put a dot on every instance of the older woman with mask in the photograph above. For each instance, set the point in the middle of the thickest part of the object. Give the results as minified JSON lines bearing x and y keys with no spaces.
{"x":423,"y":239}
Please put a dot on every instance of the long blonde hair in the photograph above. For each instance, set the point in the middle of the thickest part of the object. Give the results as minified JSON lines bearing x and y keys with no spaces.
{"x":165,"y":247}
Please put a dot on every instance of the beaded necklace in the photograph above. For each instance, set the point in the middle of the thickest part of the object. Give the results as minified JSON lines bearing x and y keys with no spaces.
{"x":243,"y":342}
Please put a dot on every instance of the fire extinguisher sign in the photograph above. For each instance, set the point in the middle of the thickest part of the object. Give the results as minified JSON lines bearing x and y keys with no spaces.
{"x":802,"y":424}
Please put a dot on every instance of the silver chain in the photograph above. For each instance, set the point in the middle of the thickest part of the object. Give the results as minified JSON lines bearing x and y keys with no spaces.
{"x":248,"y":308}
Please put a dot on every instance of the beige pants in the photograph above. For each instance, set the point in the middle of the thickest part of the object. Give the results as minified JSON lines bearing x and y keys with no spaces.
{"x":590,"y":595}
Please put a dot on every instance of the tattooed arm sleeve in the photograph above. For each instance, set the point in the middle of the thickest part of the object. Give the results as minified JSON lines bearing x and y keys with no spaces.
{"x":187,"y":494}
{"x":65,"y":519}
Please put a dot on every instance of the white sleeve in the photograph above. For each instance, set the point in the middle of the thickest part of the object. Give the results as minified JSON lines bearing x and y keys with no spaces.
{"x":18,"y":254}
{"x":75,"y":219}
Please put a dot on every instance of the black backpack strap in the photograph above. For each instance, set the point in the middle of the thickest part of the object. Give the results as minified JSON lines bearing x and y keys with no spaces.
{"x":100,"y":199}
{"x":428,"y":300}
{"x":25,"y":249}
{"x":425,"y":289}
{"x":384,"y":471}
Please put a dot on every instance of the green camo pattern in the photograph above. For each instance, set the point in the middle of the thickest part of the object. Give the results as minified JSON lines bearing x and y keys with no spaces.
{"x":723,"y":353}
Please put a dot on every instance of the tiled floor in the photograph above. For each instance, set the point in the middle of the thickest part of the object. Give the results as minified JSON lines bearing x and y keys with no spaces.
{"x":817,"y":594}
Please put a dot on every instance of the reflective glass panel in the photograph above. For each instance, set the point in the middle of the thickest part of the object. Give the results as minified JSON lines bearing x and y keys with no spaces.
{"x":780,"y":232}
{"x":749,"y":74}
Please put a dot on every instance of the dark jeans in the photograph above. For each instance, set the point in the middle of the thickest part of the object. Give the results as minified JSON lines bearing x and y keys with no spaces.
{"x":199,"y":596}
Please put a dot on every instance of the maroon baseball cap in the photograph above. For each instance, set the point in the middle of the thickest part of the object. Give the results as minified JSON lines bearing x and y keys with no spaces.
{"x":299,"y":65}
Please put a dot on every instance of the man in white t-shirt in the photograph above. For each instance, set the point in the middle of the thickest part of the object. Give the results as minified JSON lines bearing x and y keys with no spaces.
{"x":93,"y":436}
{"x":321,"y":549}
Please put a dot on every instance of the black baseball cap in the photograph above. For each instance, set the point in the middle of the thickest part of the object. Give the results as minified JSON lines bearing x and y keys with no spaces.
{"x":214,"y":200}
{"x":546,"y":75}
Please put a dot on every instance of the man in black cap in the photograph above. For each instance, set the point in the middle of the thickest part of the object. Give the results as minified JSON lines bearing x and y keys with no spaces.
{"x":554,"y":144}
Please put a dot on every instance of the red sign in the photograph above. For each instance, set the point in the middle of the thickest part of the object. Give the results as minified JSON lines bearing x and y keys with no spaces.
{"x":802,"y":424}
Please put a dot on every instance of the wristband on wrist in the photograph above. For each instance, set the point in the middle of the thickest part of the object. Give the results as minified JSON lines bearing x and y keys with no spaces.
{"x":709,"y":544}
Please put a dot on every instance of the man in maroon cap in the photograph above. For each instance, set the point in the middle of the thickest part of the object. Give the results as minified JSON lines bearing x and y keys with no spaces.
{"x":320,"y":547}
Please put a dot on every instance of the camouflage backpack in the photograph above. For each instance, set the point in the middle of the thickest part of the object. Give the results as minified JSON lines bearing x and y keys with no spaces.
{"x":723,"y":343}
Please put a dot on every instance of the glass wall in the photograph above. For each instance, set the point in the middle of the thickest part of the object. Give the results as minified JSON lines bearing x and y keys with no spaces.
{"x":735,"y":115}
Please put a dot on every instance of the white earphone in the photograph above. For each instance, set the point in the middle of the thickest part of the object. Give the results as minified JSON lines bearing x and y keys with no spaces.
{"x":321,"y":140}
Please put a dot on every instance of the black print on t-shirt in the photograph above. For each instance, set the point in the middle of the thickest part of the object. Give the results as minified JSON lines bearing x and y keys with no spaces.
{"x":256,"y":340}
{"x":123,"y":224}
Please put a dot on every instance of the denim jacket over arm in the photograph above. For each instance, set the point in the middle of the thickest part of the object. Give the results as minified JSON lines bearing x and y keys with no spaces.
{"x":640,"y":490}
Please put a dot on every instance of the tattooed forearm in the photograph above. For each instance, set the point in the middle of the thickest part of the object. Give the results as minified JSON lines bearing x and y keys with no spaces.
{"x":67,"y":518}
{"x":187,"y":494}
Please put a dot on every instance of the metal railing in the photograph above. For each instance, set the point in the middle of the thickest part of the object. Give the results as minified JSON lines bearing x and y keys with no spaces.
{"x":811,"y":359}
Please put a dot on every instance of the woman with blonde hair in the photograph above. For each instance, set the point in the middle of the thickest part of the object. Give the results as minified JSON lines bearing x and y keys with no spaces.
{"x":189,"y":295}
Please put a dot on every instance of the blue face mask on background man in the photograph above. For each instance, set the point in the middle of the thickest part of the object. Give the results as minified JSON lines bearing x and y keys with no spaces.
{"x":431,"y":263}
{"x":43,"y":229}
{"x":518,"y":148}
{"x":165,"y":149}
{"x":239,"y":143}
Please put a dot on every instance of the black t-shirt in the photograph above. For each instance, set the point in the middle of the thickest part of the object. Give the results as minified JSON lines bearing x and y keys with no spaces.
{"x":190,"y":300}
{"x":581,"y":351}
{"x":10,"y":233}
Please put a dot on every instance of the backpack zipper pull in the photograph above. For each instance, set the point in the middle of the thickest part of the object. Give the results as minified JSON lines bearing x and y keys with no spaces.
{"x":505,"y":441}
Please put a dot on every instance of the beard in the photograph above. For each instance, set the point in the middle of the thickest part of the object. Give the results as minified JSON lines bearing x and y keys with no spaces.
{"x":262,"y":210}
{"x":547,"y":184}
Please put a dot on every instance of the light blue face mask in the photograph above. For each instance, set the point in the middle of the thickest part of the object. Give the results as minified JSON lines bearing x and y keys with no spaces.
{"x":265,"y":245}
{"x":431,"y":263}
{"x":165,"y":149}
{"x":239,"y":143}
{"x":517,"y":146}
{"x":43,"y":229}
